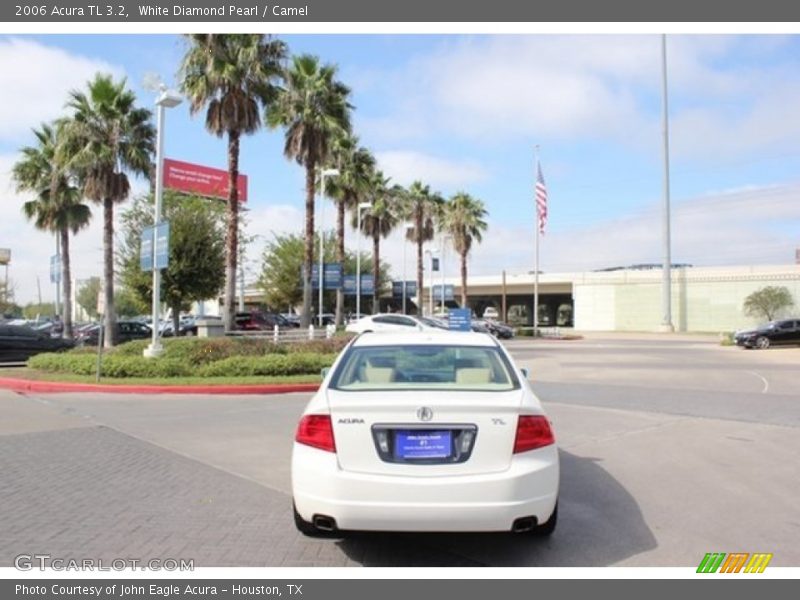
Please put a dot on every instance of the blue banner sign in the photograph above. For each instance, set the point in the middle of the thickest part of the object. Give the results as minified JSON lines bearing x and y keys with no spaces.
{"x":459,"y":319}
{"x":397,"y":289}
{"x":146,"y":249}
{"x":332,"y":276}
{"x":367,"y":285}
{"x":55,"y":268}
{"x":449,"y":292}
{"x":162,"y":245}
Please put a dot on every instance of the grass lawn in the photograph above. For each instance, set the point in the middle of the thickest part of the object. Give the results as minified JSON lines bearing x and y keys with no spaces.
{"x":26,"y":373}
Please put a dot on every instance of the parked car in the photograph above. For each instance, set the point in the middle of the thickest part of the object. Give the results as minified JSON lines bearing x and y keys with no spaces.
{"x":292,"y":319}
{"x":499,"y":329}
{"x":126,"y":332}
{"x":388,"y":443}
{"x":774,"y":333}
{"x":19,"y":342}
{"x":490,"y":312}
{"x":390,"y":322}
{"x":260,"y":321}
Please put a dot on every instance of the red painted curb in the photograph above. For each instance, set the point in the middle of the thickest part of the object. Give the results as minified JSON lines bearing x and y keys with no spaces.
{"x":30,"y":385}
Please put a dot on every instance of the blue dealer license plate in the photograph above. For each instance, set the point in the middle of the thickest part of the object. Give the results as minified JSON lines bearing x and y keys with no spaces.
{"x":422,"y":444}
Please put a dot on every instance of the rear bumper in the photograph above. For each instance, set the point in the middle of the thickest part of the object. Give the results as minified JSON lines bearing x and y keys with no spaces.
{"x":363,"y":501}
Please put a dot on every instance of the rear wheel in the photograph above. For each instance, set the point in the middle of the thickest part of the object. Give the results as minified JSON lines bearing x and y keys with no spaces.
{"x":548,"y":527}
{"x":762,"y":342}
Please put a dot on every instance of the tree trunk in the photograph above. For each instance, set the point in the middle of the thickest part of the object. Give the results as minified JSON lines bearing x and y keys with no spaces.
{"x":464,"y":280}
{"x":376,"y":269}
{"x":340,"y":257}
{"x":109,"y":316}
{"x":66,"y":284}
{"x":418,"y":230}
{"x":176,"y":318}
{"x":308,"y":259}
{"x":232,"y":234}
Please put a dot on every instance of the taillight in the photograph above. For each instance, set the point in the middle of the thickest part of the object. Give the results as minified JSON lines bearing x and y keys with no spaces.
{"x":316,"y":431}
{"x":533,"y":431}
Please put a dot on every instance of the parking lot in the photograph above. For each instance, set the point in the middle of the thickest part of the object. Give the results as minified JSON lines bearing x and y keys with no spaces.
{"x":671,"y":447}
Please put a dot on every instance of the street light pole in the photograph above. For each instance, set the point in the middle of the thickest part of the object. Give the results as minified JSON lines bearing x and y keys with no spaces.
{"x":166,"y":99}
{"x":361,"y":206}
{"x":323,"y":174}
{"x":406,"y":228}
{"x":666,"y":283}
{"x":442,"y":267}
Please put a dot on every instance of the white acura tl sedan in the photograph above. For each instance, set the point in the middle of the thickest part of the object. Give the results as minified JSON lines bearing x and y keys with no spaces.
{"x":425,"y":431}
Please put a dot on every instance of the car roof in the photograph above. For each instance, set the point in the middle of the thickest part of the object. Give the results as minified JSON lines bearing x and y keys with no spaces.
{"x":433,"y":337}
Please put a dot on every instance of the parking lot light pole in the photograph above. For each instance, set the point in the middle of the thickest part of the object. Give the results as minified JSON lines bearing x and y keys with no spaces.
{"x":430,"y":253}
{"x":406,"y":228}
{"x":359,"y":208}
{"x":166,"y":99}
{"x":321,"y":278}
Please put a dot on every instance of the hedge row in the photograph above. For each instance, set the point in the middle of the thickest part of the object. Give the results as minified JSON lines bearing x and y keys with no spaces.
{"x":118,"y":365}
{"x":203,"y":351}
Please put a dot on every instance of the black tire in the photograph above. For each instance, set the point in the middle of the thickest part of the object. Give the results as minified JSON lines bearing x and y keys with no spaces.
{"x":762,"y":342}
{"x":548,"y":527}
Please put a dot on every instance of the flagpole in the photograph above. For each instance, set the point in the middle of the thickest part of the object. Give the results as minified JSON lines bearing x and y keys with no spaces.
{"x":536,"y":253}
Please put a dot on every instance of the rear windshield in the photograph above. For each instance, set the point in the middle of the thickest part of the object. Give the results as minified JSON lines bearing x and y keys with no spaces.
{"x":424,"y":367}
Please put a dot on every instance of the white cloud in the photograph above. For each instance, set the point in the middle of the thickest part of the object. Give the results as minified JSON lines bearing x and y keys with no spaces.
{"x":31,"y":249}
{"x":737,"y":227}
{"x":730,"y":95}
{"x":405,"y":166}
{"x":34,"y":83}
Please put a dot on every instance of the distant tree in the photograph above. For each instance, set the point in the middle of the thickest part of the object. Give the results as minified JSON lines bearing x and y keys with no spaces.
{"x":378,"y":222}
{"x":56,"y":206}
{"x":463,"y":217}
{"x":106,"y":138}
{"x":768,"y":302}
{"x":87,"y":296}
{"x":282,"y":265}
{"x":7,"y":305}
{"x":35,"y":310}
{"x":423,"y":208}
{"x":231,"y":77}
{"x":313,"y":108}
{"x":196,"y":268}
{"x":128,"y":303}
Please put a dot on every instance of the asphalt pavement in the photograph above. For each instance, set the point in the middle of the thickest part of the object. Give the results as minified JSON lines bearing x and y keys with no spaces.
{"x":671,"y":447}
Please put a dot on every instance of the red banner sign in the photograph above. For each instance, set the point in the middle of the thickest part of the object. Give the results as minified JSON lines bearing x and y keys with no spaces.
{"x":200,"y":180}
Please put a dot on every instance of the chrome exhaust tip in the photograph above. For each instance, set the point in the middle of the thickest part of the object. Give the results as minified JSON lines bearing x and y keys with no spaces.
{"x":524,"y":525}
{"x":324,"y":523}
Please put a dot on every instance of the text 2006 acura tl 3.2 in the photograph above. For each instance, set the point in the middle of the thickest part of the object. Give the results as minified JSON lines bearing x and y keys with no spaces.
{"x":425,"y":431}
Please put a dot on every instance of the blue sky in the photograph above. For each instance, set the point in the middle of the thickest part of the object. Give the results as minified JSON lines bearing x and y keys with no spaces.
{"x":465,"y":112}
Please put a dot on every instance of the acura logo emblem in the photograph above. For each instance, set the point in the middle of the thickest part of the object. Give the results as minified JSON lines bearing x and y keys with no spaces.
{"x":424,"y":413}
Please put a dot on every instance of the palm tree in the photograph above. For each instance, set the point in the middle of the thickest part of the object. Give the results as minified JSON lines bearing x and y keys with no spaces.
{"x":463,"y":218}
{"x":106,"y":136}
{"x":314,"y":109}
{"x":57,"y":206}
{"x":355,"y":164}
{"x":423,"y":209}
{"x":378,"y":223}
{"x":233,"y":77}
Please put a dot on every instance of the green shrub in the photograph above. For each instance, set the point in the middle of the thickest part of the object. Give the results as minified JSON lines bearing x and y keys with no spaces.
{"x":122,"y":365}
{"x":79,"y":364}
{"x":274,"y":364}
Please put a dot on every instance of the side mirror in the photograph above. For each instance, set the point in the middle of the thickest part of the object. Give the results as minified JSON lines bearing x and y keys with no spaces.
{"x":324,"y":372}
{"x":525,"y":372}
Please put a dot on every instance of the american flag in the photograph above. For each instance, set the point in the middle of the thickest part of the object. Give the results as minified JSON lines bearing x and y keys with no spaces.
{"x":541,"y":198}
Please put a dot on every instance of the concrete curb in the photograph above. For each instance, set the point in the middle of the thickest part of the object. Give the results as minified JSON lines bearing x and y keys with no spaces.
{"x":30,"y":385}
